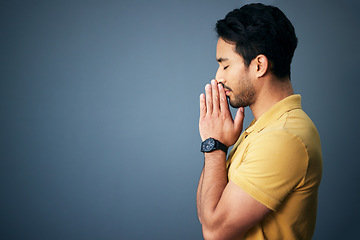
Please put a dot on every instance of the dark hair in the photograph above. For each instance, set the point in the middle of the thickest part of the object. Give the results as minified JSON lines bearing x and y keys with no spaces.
{"x":260,"y":29}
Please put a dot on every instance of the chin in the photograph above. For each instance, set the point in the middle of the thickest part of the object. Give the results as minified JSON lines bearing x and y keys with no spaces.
{"x":235,"y":105}
{"x":238,"y":104}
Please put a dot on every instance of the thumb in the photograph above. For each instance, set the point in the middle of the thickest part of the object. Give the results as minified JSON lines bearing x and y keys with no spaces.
{"x":239,"y":119}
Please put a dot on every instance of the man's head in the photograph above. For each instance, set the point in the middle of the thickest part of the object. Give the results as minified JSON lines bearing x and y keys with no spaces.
{"x":259,"y":29}
{"x":263,"y":40}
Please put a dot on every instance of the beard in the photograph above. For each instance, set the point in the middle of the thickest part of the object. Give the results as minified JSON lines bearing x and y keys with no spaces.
{"x":245,"y":96}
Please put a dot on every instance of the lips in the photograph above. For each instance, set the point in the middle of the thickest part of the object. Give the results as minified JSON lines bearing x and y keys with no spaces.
{"x":227,"y":91}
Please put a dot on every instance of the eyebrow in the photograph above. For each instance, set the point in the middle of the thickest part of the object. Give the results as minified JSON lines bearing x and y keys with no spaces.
{"x":222,"y":59}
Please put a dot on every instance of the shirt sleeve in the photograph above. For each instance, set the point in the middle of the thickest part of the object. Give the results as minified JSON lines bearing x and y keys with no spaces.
{"x":273,"y":165}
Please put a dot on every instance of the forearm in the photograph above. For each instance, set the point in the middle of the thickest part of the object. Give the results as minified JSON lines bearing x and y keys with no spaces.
{"x":198,"y":195}
{"x":214,"y":181}
{"x":216,"y":122}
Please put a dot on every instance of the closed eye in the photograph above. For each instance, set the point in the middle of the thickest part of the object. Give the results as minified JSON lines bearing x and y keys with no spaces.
{"x":226,"y":67}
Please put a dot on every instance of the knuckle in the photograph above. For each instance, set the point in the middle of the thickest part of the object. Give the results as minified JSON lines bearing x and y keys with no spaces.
{"x":225,"y":115}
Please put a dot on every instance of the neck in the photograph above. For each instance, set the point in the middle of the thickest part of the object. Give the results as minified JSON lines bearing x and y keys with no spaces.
{"x":271,"y":92}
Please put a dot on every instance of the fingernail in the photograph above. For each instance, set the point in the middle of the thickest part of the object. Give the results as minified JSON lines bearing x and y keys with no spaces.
{"x":242,"y":109}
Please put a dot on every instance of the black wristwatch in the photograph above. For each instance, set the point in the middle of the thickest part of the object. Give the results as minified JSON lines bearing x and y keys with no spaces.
{"x":212,"y":144}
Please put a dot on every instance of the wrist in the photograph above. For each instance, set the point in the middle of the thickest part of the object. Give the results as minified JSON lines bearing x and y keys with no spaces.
{"x":211,"y":144}
{"x":215,"y":154}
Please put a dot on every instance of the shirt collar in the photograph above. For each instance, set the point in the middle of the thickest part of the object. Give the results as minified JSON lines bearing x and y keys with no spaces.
{"x":287,"y":104}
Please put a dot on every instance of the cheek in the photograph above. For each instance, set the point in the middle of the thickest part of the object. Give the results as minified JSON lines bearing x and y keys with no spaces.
{"x":233,"y":77}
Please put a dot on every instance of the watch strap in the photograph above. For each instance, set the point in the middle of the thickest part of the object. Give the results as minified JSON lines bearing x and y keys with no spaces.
{"x":221,"y":146}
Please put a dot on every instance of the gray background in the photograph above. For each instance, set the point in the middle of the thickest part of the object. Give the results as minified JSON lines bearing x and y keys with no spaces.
{"x":99,"y":114}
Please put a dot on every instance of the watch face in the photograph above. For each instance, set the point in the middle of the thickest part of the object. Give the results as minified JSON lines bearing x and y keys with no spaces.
{"x":209,"y":144}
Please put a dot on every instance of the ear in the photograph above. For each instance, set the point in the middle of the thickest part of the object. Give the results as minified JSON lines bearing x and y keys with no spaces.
{"x":261,"y":63}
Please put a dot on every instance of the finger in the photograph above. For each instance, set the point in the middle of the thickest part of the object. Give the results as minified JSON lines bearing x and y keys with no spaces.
{"x":209,"y":104}
{"x":239,"y":119}
{"x":202,"y":105}
{"x":224,"y":106}
{"x":215,"y":96}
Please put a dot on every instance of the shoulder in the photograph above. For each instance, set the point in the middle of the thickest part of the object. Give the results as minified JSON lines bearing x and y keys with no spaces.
{"x":279,"y":144}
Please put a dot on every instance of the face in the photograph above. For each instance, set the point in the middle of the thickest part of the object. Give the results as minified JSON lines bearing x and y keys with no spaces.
{"x":234,"y":74}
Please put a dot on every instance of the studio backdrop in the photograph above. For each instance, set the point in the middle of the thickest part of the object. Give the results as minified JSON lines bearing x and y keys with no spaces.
{"x":99,"y":108}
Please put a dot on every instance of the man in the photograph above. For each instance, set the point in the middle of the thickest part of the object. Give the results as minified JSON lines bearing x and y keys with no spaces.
{"x":267,"y":188}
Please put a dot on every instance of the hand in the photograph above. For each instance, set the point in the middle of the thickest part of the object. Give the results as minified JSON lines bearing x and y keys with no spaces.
{"x":215,"y":117}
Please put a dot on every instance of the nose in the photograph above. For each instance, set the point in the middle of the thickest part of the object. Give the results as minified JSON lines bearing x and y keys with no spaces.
{"x":219,"y":76}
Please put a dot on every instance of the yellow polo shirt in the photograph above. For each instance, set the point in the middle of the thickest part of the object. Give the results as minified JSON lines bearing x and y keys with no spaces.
{"x":277,"y":160}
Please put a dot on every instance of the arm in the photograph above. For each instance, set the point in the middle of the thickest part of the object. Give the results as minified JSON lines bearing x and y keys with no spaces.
{"x":198,"y":194}
{"x":225,"y":210}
